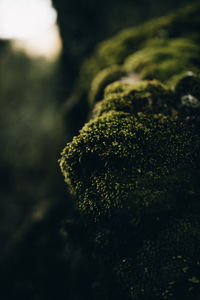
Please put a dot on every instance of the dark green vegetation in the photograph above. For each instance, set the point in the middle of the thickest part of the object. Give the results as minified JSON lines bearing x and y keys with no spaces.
{"x":152,"y":51}
{"x":134,"y":167}
{"x":136,"y":163}
{"x":146,"y":96}
{"x":84,"y":23}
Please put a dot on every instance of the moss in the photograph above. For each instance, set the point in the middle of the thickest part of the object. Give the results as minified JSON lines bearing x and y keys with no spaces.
{"x":103,"y":78}
{"x":183,"y":23}
{"x":137,"y":160}
{"x":121,"y":162}
{"x":194,"y":280}
{"x":164,"y":60}
{"x":148,"y":96}
{"x":165,"y":266}
{"x":115,"y":50}
{"x":189,"y":83}
{"x":116,"y":87}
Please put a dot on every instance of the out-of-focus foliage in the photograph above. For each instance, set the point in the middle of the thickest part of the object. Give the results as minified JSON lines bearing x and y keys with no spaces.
{"x":102,"y":79}
{"x":161,"y":60}
{"x":31,"y":132}
{"x":35,"y":261}
{"x":31,"y":189}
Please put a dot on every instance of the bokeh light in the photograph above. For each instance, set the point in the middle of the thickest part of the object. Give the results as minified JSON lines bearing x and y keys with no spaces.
{"x":31,"y":24}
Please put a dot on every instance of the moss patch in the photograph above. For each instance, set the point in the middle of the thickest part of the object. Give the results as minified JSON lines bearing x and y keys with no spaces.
{"x":165,"y":60}
{"x":102,"y":79}
{"x":178,"y":27}
{"x":141,"y":96}
{"x":134,"y":167}
{"x":165,"y":267}
{"x":121,"y":162}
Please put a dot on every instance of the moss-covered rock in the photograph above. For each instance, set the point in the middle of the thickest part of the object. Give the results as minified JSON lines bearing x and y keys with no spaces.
{"x":131,"y":96}
{"x":165,"y":60}
{"x":183,"y":23}
{"x":102,"y":79}
{"x":134,"y":167}
{"x":130,"y":163}
{"x":150,"y":47}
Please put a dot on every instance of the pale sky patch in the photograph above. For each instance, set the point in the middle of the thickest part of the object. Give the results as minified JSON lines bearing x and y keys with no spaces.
{"x":31,"y":23}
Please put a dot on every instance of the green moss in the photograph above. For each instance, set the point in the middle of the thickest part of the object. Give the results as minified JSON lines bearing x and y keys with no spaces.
{"x":188,"y":84}
{"x":183,"y":23}
{"x":165,"y":60}
{"x":137,"y":160}
{"x":165,"y":266}
{"x":148,"y":96}
{"x":116,"y":87}
{"x":194,"y":280}
{"x":121,"y":162}
{"x":103,"y":78}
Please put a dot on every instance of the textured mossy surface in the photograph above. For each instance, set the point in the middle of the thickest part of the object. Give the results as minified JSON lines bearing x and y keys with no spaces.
{"x":135,"y":177}
{"x":167,"y":265}
{"x":183,"y":23}
{"x":134,"y":166}
{"x":165,"y":60}
{"x":148,"y":96}
{"x":121,"y":162}
{"x":163,"y":49}
{"x":102,"y":79}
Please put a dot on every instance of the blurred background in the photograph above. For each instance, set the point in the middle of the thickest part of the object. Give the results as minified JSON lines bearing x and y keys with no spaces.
{"x":42,"y":46}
